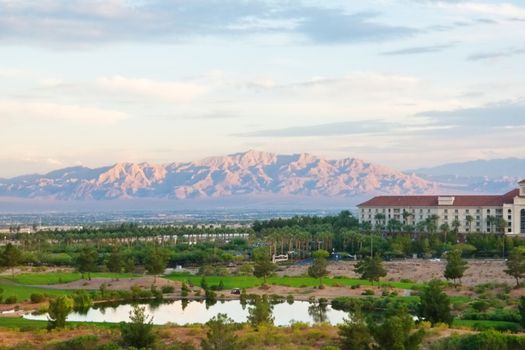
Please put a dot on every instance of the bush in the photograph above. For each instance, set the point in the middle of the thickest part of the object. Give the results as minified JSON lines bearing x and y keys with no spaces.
{"x":37,"y":298}
{"x":489,"y":340}
{"x":10,"y":300}
{"x":85,"y":342}
{"x":168,"y":289}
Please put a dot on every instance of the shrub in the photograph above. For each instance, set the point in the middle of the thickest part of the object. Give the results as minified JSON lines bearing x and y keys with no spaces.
{"x":489,"y":340}
{"x":10,"y":300}
{"x":368,"y":292}
{"x":37,"y":298}
{"x":85,"y":342}
{"x":167,"y":289}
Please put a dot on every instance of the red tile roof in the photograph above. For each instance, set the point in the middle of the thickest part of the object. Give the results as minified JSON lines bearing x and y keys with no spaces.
{"x":522,"y":182}
{"x":431,"y":201}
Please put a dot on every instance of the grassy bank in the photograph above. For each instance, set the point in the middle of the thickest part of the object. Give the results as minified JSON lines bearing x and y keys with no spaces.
{"x":62,"y":277}
{"x":23,"y":324}
{"x":297,"y":282}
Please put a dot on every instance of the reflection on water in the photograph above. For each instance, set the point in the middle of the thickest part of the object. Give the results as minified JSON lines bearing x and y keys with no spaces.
{"x":187,"y":312}
{"x":318,"y":310}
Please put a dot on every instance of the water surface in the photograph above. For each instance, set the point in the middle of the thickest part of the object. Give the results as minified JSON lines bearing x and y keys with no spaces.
{"x":187,"y":312}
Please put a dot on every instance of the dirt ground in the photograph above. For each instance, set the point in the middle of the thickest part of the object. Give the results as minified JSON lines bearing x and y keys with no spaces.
{"x":144,"y":282}
{"x":419,"y":270}
{"x":327,"y":292}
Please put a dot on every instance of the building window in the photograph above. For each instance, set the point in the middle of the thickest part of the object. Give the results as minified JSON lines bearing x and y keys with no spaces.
{"x":522,"y":220}
{"x":467,"y":211}
{"x":478,"y":211}
{"x":488,"y":211}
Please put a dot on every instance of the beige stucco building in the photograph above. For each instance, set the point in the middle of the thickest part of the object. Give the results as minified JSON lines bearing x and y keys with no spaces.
{"x":470,"y":211}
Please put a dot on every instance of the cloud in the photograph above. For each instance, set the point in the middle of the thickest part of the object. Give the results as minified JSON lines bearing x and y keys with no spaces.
{"x":329,"y":129}
{"x":418,"y":50}
{"x":332,"y":26}
{"x":496,"y":54}
{"x":502,"y":9}
{"x":15,"y":110}
{"x":357,"y":82}
{"x":165,"y":90}
{"x":72,"y":23}
{"x":498,"y":115}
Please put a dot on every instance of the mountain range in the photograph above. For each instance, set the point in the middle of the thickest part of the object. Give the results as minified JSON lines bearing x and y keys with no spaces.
{"x":477,"y":176}
{"x":261,"y":174}
{"x":249,"y":173}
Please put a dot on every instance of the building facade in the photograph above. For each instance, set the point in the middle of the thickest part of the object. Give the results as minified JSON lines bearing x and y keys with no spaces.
{"x":469,"y":213}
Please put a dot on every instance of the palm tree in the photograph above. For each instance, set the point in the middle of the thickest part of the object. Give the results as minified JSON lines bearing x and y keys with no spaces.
{"x":380,"y":220}
{"x":432,"y":222}
{"x":469,"y":219}
{"x":406,"y":216}
{"x":491,"y":220}
{"x":456,"y":224}
{"x":445,"y":228}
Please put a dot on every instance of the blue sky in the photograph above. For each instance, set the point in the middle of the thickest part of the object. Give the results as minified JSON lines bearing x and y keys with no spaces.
{"x":404,"y":83}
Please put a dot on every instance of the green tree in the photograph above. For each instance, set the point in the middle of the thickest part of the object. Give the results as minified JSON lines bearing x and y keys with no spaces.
{"x":319,"y":265}
{"x":114,"y":262}
{"x":521,"y":309}
{"x":396,"y":330}
{"x":445,"y":229}
{"x":456,"y":266}
{"x":380,"y":219}
{"x":469,"y":219}
{"x":220,"y":334}
{"x":263,"y":266}
{"x":371,"y":268}
{"x":516,"y":265}
{"x":260,"y":312}
{"x":434,"y":305}
{"x":456,"y":224}
{"x":155,"y":262}
{"x":139,"y":331}
{"x":87,"y":261}
{"x":129,"y":264}
{"x":58,"y":310}
{"x":11,"y":257}
{"x":354,"y":334}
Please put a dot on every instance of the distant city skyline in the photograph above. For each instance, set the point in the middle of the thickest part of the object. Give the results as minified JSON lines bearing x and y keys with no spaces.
{"x":403,"y":83}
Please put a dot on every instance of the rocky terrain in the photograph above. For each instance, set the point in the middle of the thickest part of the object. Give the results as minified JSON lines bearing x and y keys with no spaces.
{"x":248,"y":173}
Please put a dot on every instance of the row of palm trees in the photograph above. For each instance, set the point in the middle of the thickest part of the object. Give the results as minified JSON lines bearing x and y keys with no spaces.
{"x":430,"y":224}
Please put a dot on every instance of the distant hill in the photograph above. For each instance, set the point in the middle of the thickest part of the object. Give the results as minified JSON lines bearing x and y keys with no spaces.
{"x":240,"y":175}
{"x":484,"y":176}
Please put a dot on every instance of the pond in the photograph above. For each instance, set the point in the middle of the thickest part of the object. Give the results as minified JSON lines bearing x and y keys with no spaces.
{"x":186,"y":312}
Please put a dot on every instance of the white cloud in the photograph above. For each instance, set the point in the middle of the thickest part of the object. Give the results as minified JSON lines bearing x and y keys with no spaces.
{"x":164,"y":90}
{"x":35,"y":110}
{"x":502,"y":10}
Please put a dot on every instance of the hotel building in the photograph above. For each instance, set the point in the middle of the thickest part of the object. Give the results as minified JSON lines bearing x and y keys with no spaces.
{"x":471,"y":211}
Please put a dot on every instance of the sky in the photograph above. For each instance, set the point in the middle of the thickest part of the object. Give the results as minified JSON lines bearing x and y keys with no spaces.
{"x":404,"y":83}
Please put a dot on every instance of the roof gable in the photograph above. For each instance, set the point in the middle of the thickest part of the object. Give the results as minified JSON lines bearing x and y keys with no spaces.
{"x":433,"y":201}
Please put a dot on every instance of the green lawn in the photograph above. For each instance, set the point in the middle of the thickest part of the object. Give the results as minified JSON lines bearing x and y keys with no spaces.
{"x":24,"y":292}
{"x":486,"y":324}
{"x":22,"y":323}
{"x":62,"y":277}
{"x":250,"y":281}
